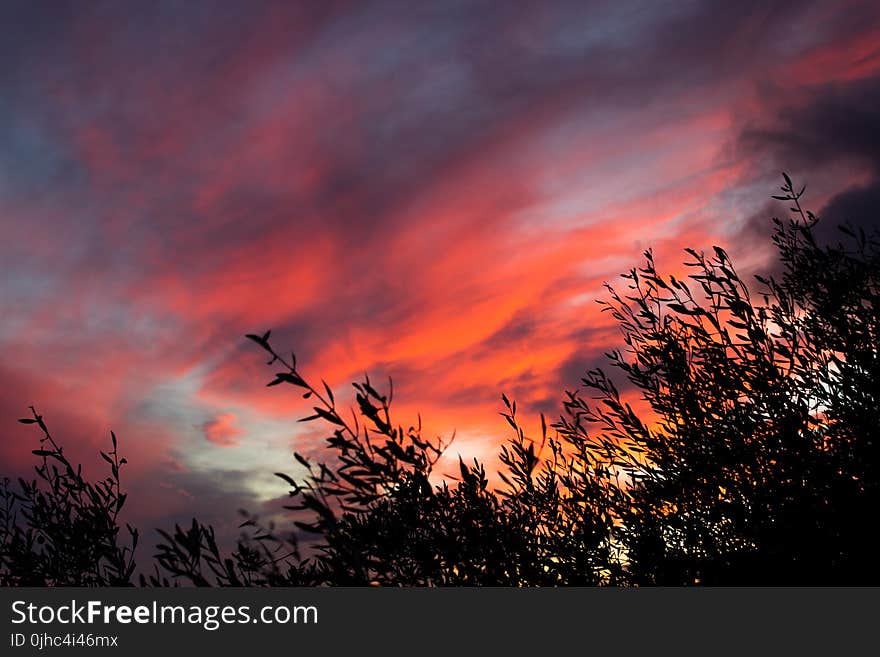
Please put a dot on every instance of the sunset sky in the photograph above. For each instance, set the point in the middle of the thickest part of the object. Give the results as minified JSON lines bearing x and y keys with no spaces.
{"x":433,"y":191}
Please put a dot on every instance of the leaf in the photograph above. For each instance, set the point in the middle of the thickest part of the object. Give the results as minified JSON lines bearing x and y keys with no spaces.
{"x":509,"y":419}
{"x":27,"y":420}
{"x":292,"y":378}
{"x":286,"y":478}
{"x":330,"y":417}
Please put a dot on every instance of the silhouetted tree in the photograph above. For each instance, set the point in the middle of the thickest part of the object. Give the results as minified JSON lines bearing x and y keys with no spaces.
{"x":757,"y":461}
{"x":379,"y":519}
{"x":59,"y":529}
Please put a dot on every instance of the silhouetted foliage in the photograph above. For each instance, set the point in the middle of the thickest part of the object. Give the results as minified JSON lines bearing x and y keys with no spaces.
{"x":61,"y":530}
{"x":757,"y":461}
{"x":380,"y":519}
{"x":744,"y":450}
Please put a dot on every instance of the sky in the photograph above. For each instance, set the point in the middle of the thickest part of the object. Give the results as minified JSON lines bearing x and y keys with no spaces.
{"x":432,"y":191}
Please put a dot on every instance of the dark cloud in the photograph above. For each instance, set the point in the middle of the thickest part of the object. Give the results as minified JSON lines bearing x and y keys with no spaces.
{"x":857,"y":205}
{"x":836,"y":121}
{"x":836,"y":124}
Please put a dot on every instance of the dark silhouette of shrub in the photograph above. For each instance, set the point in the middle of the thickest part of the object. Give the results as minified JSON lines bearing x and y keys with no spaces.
{"x":380,"y":519}
{"x":61,"y":530}
{"x":755,"y":463}
{"x":758,"y":464}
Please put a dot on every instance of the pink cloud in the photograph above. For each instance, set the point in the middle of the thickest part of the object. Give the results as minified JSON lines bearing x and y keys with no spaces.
{"x":222,"y":430}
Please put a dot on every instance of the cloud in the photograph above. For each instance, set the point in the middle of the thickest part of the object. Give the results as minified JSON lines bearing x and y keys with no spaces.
{"x":222,"y":430}
{"x":829,"y":131}
{"x":430,"y":192}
